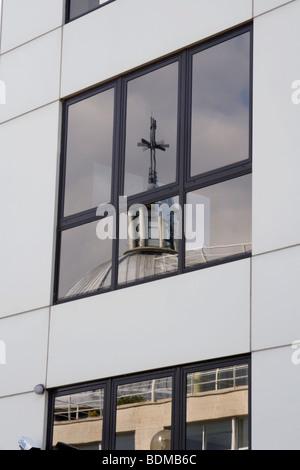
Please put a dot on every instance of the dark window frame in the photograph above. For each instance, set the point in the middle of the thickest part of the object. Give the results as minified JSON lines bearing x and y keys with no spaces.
{"x":179,"y":380}
{"x":184,"y":182}
{"x":68,"y":10}
{"x":219,"y":174}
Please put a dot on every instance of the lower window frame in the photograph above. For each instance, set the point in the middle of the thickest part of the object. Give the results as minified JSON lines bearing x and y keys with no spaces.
{"x":178,"y":415}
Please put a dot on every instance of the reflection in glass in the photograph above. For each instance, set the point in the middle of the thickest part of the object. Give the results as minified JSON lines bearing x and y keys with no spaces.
{"x":241,"y":376}
{"x":218,"y":435}
{"x":220,"y":105}
{"x":225,"y":378}
{"x":151,"y":97}
{"x":217,"y":409}
{"x":148,"y":242}
{"x":194,"y":436}
{"x":78,"y":420}
{"x":79,"y":7}
{"x":218,"y":221}
{"x":243,"y":433}
{"x":89,"y":153}
{"x":125,"y":440}
{"x":143,"y":410}
{"x":85,"y":261}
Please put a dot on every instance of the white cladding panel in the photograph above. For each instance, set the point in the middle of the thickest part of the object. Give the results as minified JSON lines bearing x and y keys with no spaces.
{"x":28,"y":176}
{"x":275,"y":400}
{"x":128,"y":33}
{"x":22,"y":415}
{"x":25,"y":337}
{"x":31,"y":73}
{"x":192,"y":317}
{"x":263,"y":6}
{"x":276,"y":124}
{"x":275,"y":298}
{"x":26,"y":20}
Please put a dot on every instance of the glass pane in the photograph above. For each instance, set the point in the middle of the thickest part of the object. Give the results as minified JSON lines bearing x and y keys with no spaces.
{"x":218,"y":221}
{"x":125,"y":441}
{"x":225,"y":378}
{"x":220,"y":105}
{"x":241,"y":376}
{"x":144,"y":415}
{"x":89,"y":153}
{"x":79,"y":7}
{"x":201,"y":382}
{"x":218,"y":436}
{"x":85,"y":261}
{"x":211,"y":409}
{"x":78,"y":420}
{"x":148,"y":242}
{"x":151,"y":130}
{"x":243,"y":433}
{"x":194,"y":436}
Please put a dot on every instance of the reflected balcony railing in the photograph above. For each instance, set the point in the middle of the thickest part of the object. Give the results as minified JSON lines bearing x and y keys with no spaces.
{"x":207,"y":254}
{"x":217,"y":379}
{"x":89,"y":405}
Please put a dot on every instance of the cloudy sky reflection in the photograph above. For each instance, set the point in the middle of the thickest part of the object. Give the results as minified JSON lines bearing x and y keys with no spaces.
{"x":219,"y":136}
{"x":154,"y":94}
{"x":89,"y":152}
{"x":220,"y":105}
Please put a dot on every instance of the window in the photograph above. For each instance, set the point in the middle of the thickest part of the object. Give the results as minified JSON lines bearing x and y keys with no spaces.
{"x":78,"y":419}
{"x":156,"y":171}
{"x":76,"y":8}
{"x":146,"y":408}
{"x":146,"y":411}
{"x":213,"y":390}
{"x":229,"y":434}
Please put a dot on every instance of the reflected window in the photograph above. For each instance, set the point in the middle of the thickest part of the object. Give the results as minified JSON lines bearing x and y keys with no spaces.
{"x":144,"y":413}
{"x":217,"y":409}
{"x":218,"y":435}
{"x":125,"y":441}
{"x":229,"y":434}
{"x":174,"y":133}
{"x":241,"y":436}
{"x":78,"y":420}
{"x":80,"y":7}
{"x":155,"y":411}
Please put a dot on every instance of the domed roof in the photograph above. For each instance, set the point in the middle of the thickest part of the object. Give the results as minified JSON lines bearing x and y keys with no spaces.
{"x":133,"y":266}
{"x":143,"y":263}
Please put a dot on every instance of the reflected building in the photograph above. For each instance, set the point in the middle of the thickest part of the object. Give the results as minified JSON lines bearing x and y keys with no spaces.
{"x":216,"y":401}
{"x":216,"y":413}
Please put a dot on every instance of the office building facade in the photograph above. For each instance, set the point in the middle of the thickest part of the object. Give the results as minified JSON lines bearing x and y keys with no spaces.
{"x":150,"y":242}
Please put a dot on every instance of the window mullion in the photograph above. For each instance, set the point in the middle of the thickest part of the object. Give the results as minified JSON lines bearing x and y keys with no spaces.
{"x":183,"y":111}
{"x":115,"y":178}
{"x":177,"y":412}
{"x":63,"y":163}
{"x":107,"y":417}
